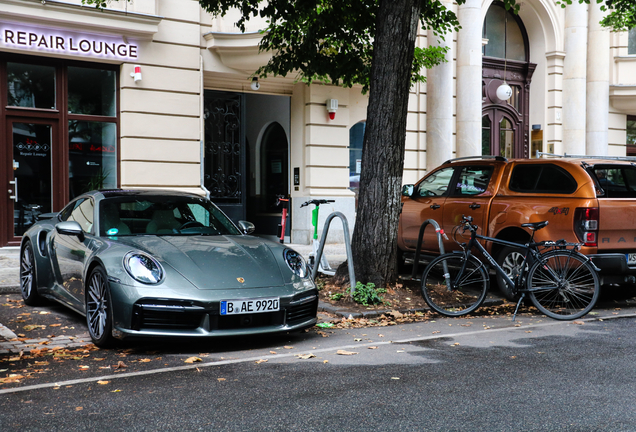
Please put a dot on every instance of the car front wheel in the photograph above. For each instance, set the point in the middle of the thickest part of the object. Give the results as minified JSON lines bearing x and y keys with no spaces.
{"x":28,"y":281}
{"x":99,"y":311}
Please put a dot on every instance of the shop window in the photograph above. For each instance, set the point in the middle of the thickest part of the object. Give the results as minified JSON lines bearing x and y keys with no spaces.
{"x":31,"y":86}
{"x":92,"y":156}
{"x":356,"y":137}
{"x":631,"y":42}
{"x":91,"y":91}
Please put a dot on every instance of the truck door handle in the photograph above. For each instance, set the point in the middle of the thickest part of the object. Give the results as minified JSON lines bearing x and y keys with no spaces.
{"x":474,"y":206}
{"x":435,"y":206}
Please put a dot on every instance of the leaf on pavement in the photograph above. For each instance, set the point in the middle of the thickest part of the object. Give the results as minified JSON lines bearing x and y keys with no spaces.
{"x":373,"y":347}
{"x":288,"y":347}
{"x":220,"y":379}
{"x":344,"y":352}
{"x":273,"y":352}
{"x":305,"y":356}
{"x":261,"y":361}
{"x":193,"y":360}
{"x":578,"y":322}
{"x":102,"y":382}
{"x":120,"y":365}
{"x":144,"y":360}
{"x":79,"y":408}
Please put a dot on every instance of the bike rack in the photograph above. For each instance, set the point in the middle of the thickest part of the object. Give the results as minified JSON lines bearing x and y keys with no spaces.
{"x":440,"y":232}
{"x":323,"y":238}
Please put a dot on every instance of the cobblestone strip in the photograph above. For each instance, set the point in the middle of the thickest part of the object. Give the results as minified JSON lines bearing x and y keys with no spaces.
{"x":16,"y":346}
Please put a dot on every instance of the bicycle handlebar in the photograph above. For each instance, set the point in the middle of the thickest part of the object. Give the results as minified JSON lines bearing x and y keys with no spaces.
{"x":317,"y":202}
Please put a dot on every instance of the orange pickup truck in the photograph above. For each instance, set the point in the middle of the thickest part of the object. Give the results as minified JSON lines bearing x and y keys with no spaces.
{"x":585,"y":199}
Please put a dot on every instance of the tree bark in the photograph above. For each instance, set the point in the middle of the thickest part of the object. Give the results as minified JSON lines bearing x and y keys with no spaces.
{"x":374,"y":241}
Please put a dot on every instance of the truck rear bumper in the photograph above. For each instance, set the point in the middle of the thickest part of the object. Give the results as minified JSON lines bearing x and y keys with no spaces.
{"x":614,"y":268}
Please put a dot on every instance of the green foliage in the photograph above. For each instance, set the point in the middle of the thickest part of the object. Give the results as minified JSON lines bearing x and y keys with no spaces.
{"x":336,"y":296}
{"x":368,"y":294}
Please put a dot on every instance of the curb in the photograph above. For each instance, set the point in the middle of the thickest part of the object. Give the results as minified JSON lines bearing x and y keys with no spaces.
{"x":345,"y":313}
{"x":10,"y":289}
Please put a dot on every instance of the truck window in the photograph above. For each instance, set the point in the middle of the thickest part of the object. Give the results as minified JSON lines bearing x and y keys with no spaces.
{"x":473,"y":180}
{"x":616,"y":181}
{"x":435,"y":184}
{"x":544,"y":178}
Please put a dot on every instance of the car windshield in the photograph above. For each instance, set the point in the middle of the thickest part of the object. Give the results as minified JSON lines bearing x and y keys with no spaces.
{"x":162,"y":215}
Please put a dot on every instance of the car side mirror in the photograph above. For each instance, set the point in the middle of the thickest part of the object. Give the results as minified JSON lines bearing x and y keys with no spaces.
{"x":71,"y":228}
{"x":407,"y":190}
{"x":246,"y":227}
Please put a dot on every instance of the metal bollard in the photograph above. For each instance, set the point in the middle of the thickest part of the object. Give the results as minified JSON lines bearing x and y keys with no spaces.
{"x":323,"y":238}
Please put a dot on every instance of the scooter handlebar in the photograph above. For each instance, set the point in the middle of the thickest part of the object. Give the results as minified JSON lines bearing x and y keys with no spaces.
{"x":317,"y":202}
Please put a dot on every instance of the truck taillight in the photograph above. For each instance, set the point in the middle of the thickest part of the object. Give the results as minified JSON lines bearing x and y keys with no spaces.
{"x":586,"y":225}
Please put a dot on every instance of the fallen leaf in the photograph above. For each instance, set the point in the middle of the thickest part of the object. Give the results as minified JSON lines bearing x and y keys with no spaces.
{"x":79,"y":408}
{"x":120,"y":365}
{"x":288,"y":347}
{"x":435,"y":332}
{"x":102,"y":382}
{"x":273,"y":352}
{"x":54,"y":325}
{"x":373,"y":347}
{"x":261,"y":361}
{"x":344,"y":352}
{"x":305,"y":356}
{"x":357,"y":339}
{"x":115,"y":391}
{"x":578,"y":322}
{"x":84,"y":367}
{"x":192,"y":360}
{"x":220,"y":379}
{"x":395,"y":378}
{"x":44,"y":313}
{"x":145,"y":360}
{"x":400,"y":351}
{"x":325,"y":361}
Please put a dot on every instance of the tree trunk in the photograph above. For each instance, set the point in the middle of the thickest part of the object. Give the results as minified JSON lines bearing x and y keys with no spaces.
{"x":374,"y":241}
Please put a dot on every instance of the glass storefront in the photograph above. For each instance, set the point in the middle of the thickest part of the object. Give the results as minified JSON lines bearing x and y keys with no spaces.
{"x":62,"y":135}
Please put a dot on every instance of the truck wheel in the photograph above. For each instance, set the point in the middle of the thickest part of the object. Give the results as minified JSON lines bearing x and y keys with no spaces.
{"x":510,"y":259}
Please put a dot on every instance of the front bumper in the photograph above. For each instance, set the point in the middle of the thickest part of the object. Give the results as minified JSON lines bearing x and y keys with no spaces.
{"x":154,"y":316}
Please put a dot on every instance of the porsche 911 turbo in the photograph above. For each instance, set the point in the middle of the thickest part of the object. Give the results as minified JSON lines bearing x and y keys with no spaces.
{"x":148,"y":263}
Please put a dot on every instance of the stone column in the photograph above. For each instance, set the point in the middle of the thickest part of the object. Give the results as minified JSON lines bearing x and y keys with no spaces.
{"x":469,"y":79}
{"x":439,"y":104}
{"x":598,"y":77}
{"x":574,"y":78}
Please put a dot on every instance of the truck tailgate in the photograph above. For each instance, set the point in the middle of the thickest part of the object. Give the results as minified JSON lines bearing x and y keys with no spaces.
{"x":617,"y":225}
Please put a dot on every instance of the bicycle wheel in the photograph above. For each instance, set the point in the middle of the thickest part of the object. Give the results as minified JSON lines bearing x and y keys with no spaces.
{"x":468,"y":285}
{"x":563,"y":285}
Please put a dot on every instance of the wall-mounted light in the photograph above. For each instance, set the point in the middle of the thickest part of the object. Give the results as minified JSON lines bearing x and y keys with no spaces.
{"x":255,"y":84}
{"x":332,"y":107}
{"x":504,"y":91}
{"x":136,"y":75}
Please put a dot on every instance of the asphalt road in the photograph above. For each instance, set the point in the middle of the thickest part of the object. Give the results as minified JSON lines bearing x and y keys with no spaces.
{"x":477,"y":374}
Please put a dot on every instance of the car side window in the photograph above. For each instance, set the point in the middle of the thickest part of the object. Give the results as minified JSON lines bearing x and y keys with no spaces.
{"x":616,"y":181}
{"x":435,"y":184}
{"x":473,"y":180}
{"x":83,"y":214}
{"x":544,"y":178}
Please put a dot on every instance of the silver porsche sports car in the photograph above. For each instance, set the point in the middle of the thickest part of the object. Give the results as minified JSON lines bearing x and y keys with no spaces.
{"x":157,"y":263}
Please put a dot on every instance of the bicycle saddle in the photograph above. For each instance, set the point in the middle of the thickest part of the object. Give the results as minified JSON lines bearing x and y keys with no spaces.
{"x":535,"y":226}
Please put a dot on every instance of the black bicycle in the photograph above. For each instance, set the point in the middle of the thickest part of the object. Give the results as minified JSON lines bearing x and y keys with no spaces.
{"x":560,"y":281}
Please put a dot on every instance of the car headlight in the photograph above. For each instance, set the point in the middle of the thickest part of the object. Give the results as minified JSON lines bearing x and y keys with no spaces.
{"x":143,"y":268}
{"x":296,"y":262}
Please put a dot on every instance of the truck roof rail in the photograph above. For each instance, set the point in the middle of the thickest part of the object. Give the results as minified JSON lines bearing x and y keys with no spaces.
{"x":499,"y":158}
{"x":565,"y":155}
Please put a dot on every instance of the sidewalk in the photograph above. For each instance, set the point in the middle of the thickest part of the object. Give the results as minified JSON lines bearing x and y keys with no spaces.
{"x":9,"y":270}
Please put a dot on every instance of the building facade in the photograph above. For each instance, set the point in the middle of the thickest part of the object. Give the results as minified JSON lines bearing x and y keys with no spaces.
{"x":159,"y":94}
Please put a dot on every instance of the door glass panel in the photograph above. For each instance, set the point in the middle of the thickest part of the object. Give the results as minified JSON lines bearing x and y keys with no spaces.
{"x":435,"y":184}
{"x":473,"y":180}
{"x":506,"y":138}
{"x":32,"y":174}
{"x":92,"y":156}
{"x":485,"y":135}
{"x":91,"y":91}
{"x":31,"y":86}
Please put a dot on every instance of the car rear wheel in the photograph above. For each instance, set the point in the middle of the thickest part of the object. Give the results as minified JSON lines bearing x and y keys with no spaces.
{"x":28,"y":281}
{"x":99,"y":311}
{"x":510,"y":259}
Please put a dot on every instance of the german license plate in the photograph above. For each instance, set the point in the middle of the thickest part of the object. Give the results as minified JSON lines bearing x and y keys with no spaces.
{"x":631,"y":258}
{"x":235,"y":307}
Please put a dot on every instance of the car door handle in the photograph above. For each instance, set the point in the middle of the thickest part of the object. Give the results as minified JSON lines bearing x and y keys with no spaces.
{"x":474,"y":206}
{"x":435,"y":206}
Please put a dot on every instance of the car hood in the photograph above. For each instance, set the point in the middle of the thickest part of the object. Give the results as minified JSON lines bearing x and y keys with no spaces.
{"x":214,"y":262}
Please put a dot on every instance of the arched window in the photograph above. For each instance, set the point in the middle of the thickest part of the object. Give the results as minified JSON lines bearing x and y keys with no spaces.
{"x":485,"y":135}
{"x":505,"y":37}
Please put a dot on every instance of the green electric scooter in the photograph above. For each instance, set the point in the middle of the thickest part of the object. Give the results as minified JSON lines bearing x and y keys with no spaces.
{"x":323,"y":266}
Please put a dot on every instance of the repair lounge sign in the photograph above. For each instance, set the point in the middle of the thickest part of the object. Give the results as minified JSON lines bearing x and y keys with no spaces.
{"x":61,"y":42}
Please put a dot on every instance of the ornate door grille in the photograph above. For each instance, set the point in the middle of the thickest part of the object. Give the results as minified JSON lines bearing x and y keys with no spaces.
{"x":224,"y":154}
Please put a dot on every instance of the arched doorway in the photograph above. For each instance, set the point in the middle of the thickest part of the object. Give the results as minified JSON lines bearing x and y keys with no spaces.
{"x":505,"y":124}
{"x":356,"y":138}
